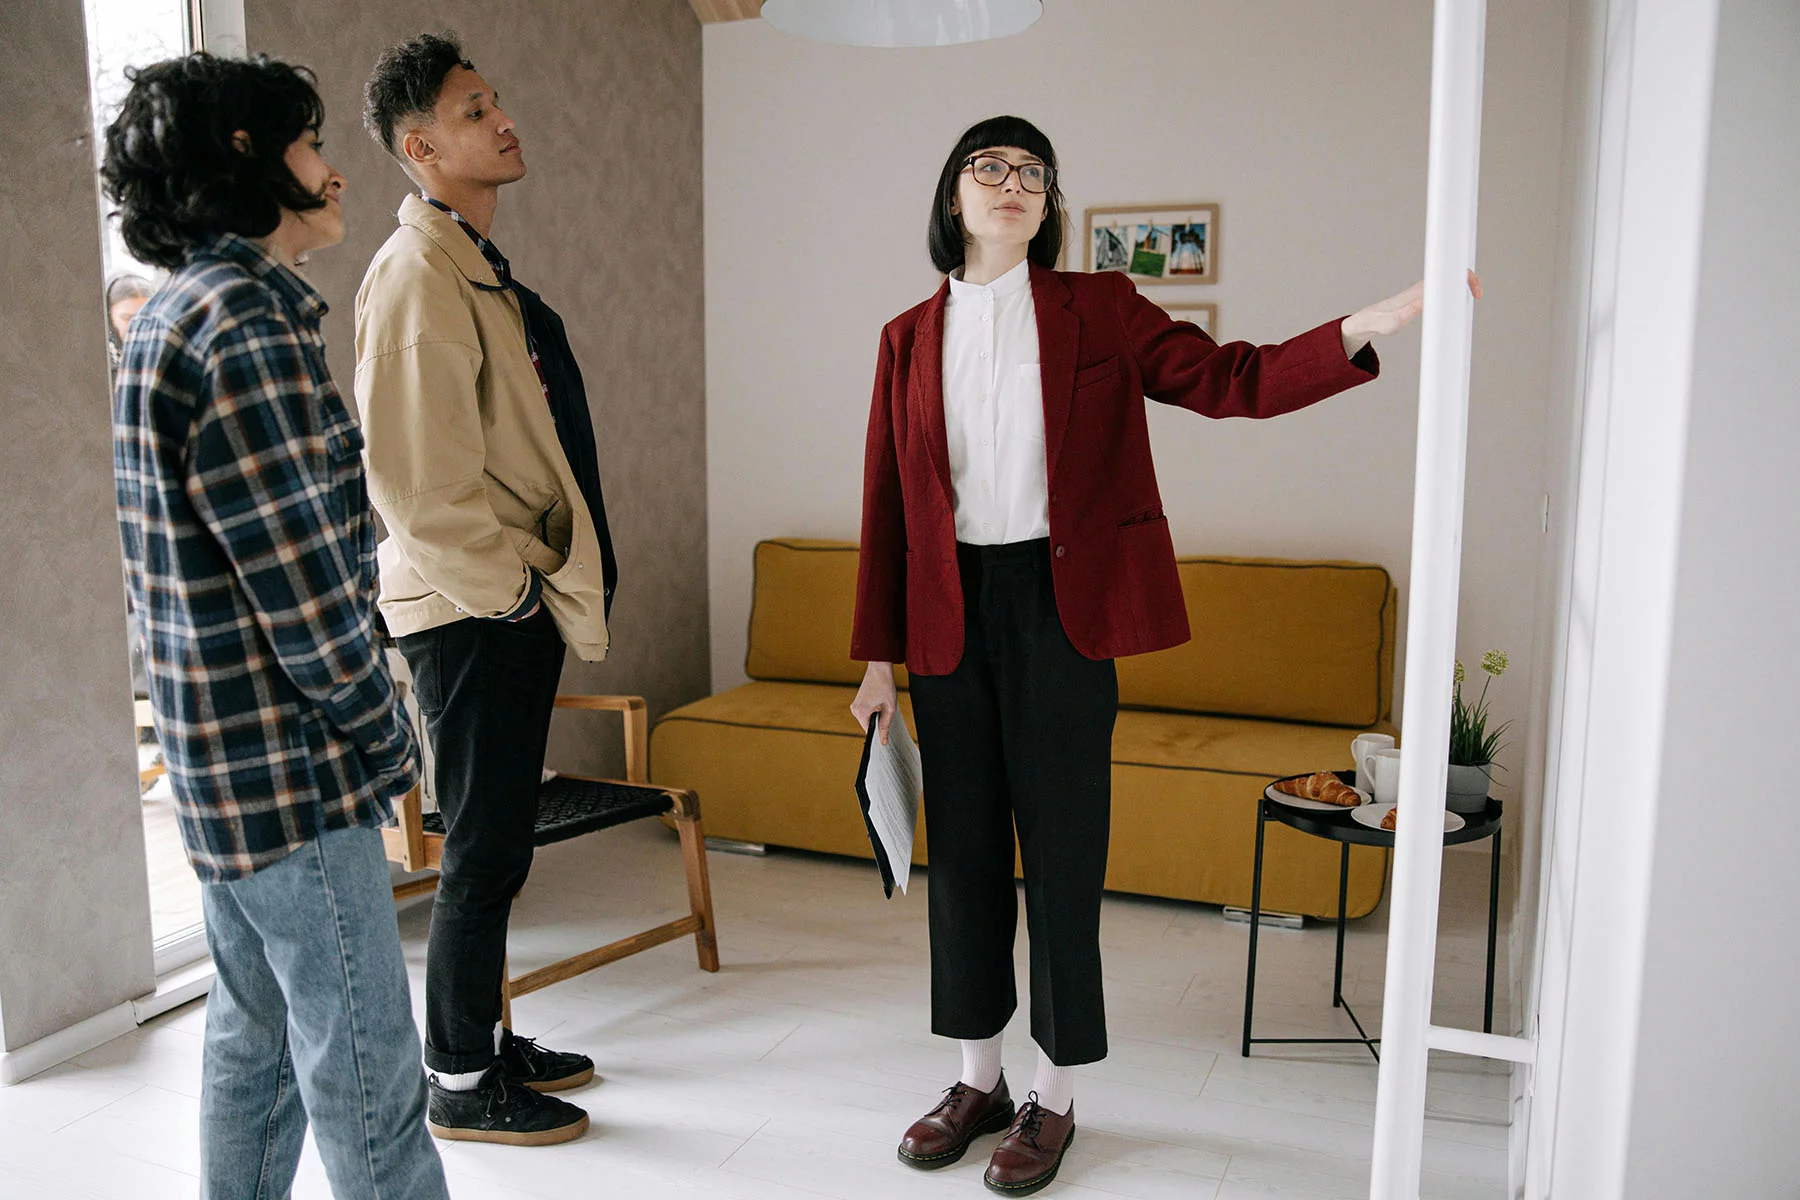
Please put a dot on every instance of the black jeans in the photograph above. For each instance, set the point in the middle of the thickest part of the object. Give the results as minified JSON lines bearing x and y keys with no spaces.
{"x":487,"y":689}
{"x":1020,"y":734}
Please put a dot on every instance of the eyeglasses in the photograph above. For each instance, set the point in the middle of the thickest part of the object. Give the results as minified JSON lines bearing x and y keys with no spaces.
{"x":990,"y":170}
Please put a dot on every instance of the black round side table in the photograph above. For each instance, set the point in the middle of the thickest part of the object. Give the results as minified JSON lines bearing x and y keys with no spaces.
{"x":1341,"y":827}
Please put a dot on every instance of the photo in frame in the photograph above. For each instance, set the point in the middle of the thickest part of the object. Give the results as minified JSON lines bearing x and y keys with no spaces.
{"x":1205,"y":314}
{"x":1155,"y":243}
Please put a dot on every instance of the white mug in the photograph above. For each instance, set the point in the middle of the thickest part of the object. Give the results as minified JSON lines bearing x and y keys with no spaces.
{"x":1365,"y":745}
{"x":1383,"y":767}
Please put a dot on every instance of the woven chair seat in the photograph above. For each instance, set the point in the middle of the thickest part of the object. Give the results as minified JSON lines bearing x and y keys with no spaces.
{"x":571,"y":807}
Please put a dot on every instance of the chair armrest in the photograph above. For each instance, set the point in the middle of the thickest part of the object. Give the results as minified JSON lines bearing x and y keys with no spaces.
{"x":637,"y":728}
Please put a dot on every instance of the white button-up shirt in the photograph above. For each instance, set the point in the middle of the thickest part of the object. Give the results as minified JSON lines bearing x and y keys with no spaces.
{"x":994,"y":411}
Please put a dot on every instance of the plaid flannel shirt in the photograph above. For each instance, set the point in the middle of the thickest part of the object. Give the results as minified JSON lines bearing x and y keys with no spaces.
{"x":250,"y":561}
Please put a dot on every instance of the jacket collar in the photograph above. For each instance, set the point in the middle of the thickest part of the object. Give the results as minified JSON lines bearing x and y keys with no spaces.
{"x":1059,"y":335}
{"x":441,"y":228}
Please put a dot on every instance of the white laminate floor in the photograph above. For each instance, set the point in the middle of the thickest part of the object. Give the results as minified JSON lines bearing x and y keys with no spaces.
{"x":793,"y":1071}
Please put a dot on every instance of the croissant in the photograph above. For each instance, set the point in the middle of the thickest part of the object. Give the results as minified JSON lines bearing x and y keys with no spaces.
{"x":1387,"y":819}
{"x":1322,"y":786}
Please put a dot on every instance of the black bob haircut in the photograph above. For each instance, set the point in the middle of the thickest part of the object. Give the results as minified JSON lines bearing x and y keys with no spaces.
{"x":945,"y":237}
{"x":172,"y":165}
{"x":406,"y":82}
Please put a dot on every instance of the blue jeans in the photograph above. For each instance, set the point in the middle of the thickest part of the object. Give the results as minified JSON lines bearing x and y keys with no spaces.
{"x":310,"y":1016}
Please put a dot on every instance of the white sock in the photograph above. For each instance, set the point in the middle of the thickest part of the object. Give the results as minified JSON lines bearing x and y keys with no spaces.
{"x":1054,"y":1085}
{"x":465,"y":1082}
{"x":981,"y":1062}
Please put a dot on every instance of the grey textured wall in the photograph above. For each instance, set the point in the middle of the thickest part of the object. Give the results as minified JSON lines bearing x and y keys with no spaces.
{"x":74,"y":905}
{"x":607,"y":226}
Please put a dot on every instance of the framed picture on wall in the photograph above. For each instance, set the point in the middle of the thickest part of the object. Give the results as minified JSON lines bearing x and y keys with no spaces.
{"x":1155,"y":243}
{"x":1205,"y":314}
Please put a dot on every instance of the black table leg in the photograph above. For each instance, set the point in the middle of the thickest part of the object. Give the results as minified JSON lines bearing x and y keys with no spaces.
{"x":1255,"y":926}
{"x":1487,"y":1012}
{"x":1337,"y":977}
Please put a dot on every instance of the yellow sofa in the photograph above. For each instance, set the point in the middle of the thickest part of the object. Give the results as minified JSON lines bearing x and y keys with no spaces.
{"x":1289,"y":661}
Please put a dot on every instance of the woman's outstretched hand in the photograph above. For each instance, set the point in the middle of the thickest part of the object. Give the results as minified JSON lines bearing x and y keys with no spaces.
{"x":1390,"y":315}
{"x":876,"y":699}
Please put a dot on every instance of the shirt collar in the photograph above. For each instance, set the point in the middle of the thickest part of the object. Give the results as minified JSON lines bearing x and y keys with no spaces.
{"x":1014,"y":281}
{"x":298,"y":293}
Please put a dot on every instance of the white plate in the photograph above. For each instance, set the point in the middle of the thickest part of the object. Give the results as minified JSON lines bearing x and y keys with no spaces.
{"x":1371,"y":814}
{"x":1313,"y":805}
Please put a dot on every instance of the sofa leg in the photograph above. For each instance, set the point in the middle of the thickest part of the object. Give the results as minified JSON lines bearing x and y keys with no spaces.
{"x":719,"y":845}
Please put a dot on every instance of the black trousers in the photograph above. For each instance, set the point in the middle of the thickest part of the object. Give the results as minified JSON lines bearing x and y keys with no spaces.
{"x":1018,"y":737}
{"x":487,"y":689}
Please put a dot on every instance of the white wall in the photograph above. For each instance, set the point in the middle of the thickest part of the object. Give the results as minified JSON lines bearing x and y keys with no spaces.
{"x":1305,"y":121}
{"x":1667,"y":1052}
{"x":1718,"y":1049}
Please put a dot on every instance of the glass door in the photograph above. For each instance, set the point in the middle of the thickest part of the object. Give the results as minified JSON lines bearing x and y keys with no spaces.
{"x":122,"y":34}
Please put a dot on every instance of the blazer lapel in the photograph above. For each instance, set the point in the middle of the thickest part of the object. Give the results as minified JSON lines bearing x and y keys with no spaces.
{"x":927,"y":399}
{"x":1059,"y":336}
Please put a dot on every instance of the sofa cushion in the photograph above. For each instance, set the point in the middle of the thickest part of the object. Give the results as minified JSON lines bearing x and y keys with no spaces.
{"x":1288,"y":641}
{"x":1261,"y":750}
{"x":1276,"y":639}
{"x":803,"y":603}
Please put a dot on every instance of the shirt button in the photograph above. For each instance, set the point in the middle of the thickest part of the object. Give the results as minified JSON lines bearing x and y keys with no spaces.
{"x":985,"y":318}
{"x":984,"y":441}
{"x":1059,"y":551}
{"x":984,"y":354}
{"x":984,"y":527}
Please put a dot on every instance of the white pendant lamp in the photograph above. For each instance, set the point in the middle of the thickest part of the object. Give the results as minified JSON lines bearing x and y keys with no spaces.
{"x":902,"y":22}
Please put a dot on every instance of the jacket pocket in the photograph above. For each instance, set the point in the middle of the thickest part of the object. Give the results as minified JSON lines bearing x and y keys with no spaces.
{"x":536,"y":555}
{"x":1098,"y":372}
{"x":1148,"y":516}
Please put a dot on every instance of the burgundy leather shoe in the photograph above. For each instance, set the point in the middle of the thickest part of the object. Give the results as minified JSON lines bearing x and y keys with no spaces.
{"x":941,"y":1136}
{"x":1026,"y":1159}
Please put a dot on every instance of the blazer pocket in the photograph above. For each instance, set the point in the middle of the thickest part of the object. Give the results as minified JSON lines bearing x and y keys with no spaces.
{"x":1097,"y":372}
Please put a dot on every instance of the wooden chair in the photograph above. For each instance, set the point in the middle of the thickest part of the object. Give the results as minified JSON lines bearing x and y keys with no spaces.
{"x":569,"y":806}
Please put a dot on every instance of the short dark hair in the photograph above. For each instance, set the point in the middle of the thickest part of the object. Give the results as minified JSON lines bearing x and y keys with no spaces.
{"x":945,"y":237}
{"x":172,"y":165}
{"x":406,"y":82}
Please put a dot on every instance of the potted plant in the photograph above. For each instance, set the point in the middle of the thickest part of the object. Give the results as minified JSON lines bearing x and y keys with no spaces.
{"x":1473,"y":746}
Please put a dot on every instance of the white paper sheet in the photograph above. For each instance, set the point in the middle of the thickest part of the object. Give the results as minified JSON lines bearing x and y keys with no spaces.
{"x":888,"y":786}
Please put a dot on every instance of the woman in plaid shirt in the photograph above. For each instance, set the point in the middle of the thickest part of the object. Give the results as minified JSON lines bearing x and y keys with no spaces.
{"x":250,"y":561}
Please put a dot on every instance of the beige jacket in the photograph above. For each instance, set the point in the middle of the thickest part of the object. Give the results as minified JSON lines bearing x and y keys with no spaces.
{"x":463,"y":462}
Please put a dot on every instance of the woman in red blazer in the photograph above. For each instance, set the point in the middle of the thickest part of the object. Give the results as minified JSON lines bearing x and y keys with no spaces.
{"x":1013,"y":545}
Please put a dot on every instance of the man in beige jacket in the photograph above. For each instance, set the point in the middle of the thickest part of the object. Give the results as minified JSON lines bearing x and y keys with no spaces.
{"x":481,"y":463}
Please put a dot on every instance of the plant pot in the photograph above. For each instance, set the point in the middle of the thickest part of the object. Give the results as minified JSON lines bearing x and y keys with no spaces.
{"x":1467,"y":790}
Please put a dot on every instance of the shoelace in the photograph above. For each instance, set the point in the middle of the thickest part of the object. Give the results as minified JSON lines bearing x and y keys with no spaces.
{"x":1030,"y":1121}
{"x":952,"y":1094}
{"x":528,"y":1049}
{"x":499,"y":1099}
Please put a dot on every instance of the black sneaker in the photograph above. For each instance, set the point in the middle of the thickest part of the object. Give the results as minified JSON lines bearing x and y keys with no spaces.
{"x":501,"y":1111}
{"x":542,"y":1070}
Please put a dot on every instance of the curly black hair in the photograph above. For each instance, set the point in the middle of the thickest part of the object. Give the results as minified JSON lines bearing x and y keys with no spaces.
{"x":945,"y":238}
{"x":173,"y":166}
{"x":406,"y":82}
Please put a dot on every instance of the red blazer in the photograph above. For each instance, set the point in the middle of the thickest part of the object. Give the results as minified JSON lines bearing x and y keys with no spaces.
{"x":1103,"y":349}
